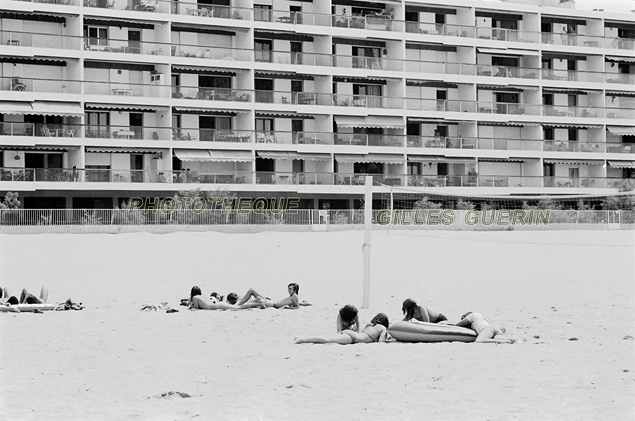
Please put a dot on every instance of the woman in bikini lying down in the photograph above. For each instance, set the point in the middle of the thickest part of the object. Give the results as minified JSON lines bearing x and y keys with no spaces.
{"x":198,"y":302}
{"x":375,"y":331}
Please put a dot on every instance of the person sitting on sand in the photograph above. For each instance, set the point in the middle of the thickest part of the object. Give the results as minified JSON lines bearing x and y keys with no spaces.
{"x":487,"y":332}
{"x":292,"y":301}
{"x":25,"y":297}
{"x":347,"y":319}
{"x":412,"y":310}
{"x":375,"y":331}
{"x":199,"y":302}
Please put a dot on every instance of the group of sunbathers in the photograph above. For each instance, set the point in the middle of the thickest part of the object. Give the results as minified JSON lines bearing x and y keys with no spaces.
{"x":251,"y":299}
{"x":377,"y":329}
{"x":25,"y":297}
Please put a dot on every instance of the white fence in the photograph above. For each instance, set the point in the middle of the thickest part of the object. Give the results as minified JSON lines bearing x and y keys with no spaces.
{"x":397,"y":218}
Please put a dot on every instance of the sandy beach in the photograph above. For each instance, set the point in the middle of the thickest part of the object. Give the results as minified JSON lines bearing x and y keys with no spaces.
{"x":570,"y":294}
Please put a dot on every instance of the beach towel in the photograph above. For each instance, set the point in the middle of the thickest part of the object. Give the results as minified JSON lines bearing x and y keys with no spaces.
{"x":156,"y":307}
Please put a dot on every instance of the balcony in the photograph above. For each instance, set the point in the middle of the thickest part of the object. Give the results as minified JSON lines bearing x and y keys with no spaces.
{"x":124,"y":46}
{"x":19,"y":39}
{"x":296,"y":178}
{"x":210,"y":10}
{"x":212,"y":53}
{"x":151,"y":6}
{"x":27,"y":84}
{"x":212,"y":94}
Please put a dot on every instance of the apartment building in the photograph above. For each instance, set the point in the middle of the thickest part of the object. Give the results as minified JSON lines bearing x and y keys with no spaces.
{"x":104,"y":100}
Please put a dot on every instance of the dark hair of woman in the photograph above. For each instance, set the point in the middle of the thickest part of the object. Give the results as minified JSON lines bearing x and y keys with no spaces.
{"x":348,"y":313}
{"x":195,"y":291}
{"x":380,"y":319}
{"x":408,"y":307}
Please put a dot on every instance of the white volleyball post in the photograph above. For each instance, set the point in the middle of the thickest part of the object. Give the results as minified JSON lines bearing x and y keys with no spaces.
{"x":368,"y":220}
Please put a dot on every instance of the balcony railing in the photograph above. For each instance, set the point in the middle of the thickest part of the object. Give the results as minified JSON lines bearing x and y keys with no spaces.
{"x":124,"y":46}
{"x":192,"y":8}
{"x":213,"y":53}
{"x":212,"y":94}
{"x":151,"y":6}
{"x":21,"y":39}
{"x":297,"y":178}
{"x":25,"y":84}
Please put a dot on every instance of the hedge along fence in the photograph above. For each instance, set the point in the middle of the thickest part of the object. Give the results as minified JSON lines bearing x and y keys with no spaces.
{"x":35,"y":217}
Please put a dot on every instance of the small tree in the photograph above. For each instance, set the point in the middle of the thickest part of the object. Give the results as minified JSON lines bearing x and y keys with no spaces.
{"x":425,"y":203}
{"x":10,"y":201}
{"x":464,"y":205}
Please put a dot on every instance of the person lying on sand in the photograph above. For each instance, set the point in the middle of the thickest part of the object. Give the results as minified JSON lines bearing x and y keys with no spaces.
{"x":25,"y":297}
{"x":292,"y":301}
{"x":347,"y":319}
{"x":487,"y":332}
{"x":199,"y":302}
{"x":412,"y":310}
{"x":375,"y":331}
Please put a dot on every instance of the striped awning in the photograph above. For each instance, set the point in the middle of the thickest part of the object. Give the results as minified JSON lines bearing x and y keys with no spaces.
{"x":377,"y":158}
{"x":453,"y":160}
{"x":621,"y":164}
{"x":294,"y":155}
{"x":284,"y":115}
{"x":122,"y":150}
{"x":36,"y":148}
{"x":121,"y":107}
{"x":388,"y":122}
{"x":203,"y":70}
{"x":621,"y":59}
{"x":573,"y":162}
{"x":207,"y":111}
{"x":621,"y":130}
{"x":230,"y":156}
{"x":571,"y":126}
{"x":506,"y":123}
{"x":501,"y":160}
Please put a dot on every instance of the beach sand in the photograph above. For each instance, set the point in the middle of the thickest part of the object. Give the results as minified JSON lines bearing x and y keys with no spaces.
{"x":570,"y":294}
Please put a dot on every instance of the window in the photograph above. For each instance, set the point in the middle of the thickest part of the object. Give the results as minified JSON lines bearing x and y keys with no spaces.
{"x":98,"y":124}
{"x":264,"y":129}
{"x":548,"y":133}
{"x":96,"y":35}
{"x":414,"y":168}
{"x":262,"y":13}
{"x":263,"y":50}
{"x":573,"y":134}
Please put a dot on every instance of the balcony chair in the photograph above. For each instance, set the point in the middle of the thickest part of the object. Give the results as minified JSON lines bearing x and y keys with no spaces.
{"x":17,"y":85}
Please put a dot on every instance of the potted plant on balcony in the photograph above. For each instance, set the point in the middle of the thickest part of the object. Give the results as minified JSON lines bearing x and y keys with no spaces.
{"x":472,"y":176}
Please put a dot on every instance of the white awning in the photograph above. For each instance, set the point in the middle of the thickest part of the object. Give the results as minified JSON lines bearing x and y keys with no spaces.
{"x":390,"y":122}
{"x":621,"y":130}
{"x":230,"y":156}
{"x":313,"y":156}
{"x":57,"y":108}
{"x":621,"y":164}
{"x":452,"y":160}
{"x":10,"y":107}
{"x":274,"y":155}
{"x":373,"y":157}
{"x":508,"y":52}
{"x":385,"y":158}
{"x":121,"y":150}
{"x":193,"y":154}
{"x":573,"y":162}
{"x":422,"y":158}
